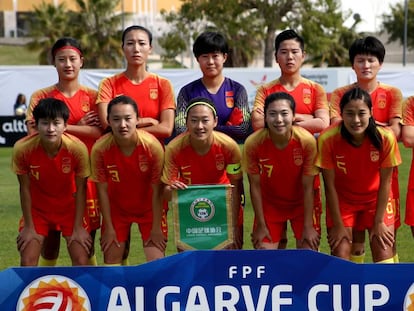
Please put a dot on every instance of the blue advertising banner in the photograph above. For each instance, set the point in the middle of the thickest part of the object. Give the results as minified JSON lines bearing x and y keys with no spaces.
{"x":215,"y":280}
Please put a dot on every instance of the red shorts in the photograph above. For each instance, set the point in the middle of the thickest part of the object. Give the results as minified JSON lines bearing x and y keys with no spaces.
{"x":395,"y":188}
{"x":122,"y":222}
{"x":361,"y":217}
{"x":44,"y":223}
{"x":409,"y":208}
{"x":276,"y":225}
{"x":92,"y":216}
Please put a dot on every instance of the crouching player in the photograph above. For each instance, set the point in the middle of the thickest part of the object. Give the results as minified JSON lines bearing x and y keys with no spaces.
{"x":52,"y":168}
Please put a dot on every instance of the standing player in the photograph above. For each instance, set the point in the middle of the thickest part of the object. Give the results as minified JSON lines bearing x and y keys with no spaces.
{"x":154,"y":94}
{"x":279,"y":161}
{"x":127,"y":165}
{"x":202,"y":155}
{"x":229,"y":97}
{"x":357,"y":158}
{"x":312,"y":112}
{"x":52,"y":168}
{"x":83,"y":122}
{"x":407,"y":137}
{"x":367,"y":56}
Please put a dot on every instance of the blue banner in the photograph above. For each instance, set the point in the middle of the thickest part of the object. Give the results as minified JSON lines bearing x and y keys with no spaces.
{"x":215,"y":280}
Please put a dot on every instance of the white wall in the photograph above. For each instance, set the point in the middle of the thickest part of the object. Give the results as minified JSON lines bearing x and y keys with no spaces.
{"x":27,"y":79}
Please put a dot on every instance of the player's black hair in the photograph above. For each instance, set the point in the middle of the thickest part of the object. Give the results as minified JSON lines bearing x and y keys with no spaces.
{"x":136,"y":27}
{"x":210,"y":42}
{"x":50,"y":108}
{"x":289,"y":35}
{"x":367,"y":46}
{"x":124,"y":100}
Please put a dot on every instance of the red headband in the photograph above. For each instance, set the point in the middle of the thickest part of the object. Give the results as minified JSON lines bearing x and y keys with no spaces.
{"x":68,"y":47}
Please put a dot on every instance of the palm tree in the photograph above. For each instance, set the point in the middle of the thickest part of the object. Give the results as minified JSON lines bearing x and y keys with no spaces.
{"x":99,"y":31}
{"x":48,"y":24}
{"x":94,"y":24}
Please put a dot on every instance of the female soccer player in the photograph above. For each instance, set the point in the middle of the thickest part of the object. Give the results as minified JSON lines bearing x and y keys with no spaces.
{"x":312,"y":111}
{"x":202,"y":155}
{"x":229,"y":97}
{"x":52,"y":168}
{"x":279,"y":160}
{"x":357,"y":158}
{"x":127,"y":165}
{"x":83,"y":122}
{"x":154,"y":94}
{"x":367,"y":56}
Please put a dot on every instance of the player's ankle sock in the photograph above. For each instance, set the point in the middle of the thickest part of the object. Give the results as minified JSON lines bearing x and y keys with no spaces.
{"x":92,"y":261}
{"x":389,"y":260}
{"x":43,"y":262}
{"x":396,"y":258}
{"x":358,"y":258}
{"x":112,"y":264}
{"x":125,"y":262}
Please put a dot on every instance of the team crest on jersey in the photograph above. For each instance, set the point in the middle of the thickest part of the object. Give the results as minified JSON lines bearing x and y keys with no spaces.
{"x":382,"y":101}
{"x":153,"y":93}
{"x":202,"y":209}
{"x":219,"y":162}
{"x":374,"y":155}
{"x":229,"y":102}
{"x":66,"y":165}
{"x":143,"y":163}
{"x":85,"y":106}
{"x":53,"y":292}
{"x":229,"y":99}
{"x":307,"y":96}
{"x":297,"y":156}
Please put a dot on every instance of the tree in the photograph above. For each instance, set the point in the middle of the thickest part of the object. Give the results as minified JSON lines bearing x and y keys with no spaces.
{"x":93,"y":24}
{"x":327,"y":40}
{"x":393,"y":23}
{"x":251,"y":25}
{"x":272,"y":15}
{"x":241,"y":30}
{"x":49,"y":24}
{"x":98,"y":29}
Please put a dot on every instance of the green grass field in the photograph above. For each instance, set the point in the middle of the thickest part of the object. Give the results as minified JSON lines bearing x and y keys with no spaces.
{"x":10,"y":214}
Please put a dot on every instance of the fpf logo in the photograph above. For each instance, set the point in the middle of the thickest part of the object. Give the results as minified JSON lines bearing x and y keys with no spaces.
{"x":53,"y":292}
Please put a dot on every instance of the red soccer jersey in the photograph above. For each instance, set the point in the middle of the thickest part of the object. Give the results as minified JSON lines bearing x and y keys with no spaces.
{"x":153,"y":95}
{"x":281,"y":170}
{"x":219,"y":166}
{"x":52,"y":180}
{"x":79,"y":104}
{"x":309,"y":96}
{"x":386,"y":102}
{"x":357,"y":169}
{"x":408,"y":119}
{"x":129,"y":178}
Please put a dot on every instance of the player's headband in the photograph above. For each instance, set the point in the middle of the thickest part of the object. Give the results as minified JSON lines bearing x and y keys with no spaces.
{"x":68,"y":47}
{"x":204,"y":104}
